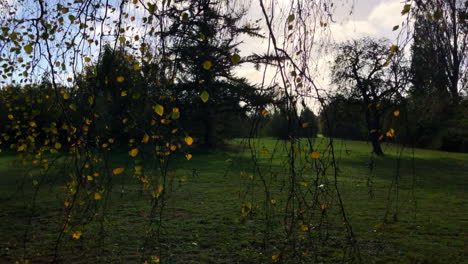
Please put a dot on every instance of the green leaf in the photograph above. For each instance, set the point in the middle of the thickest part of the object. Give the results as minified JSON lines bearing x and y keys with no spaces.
{"x":205,"y":96}
{"x":396,"y":27}
{"x":159,"y":109}
{"x":406,"y":9}
{"x":207,"y":65}
{"x":175,"y":115}
{"x":28,"y":49}
{"x":235,"y":59}
{"x":291,"y":18}
{"x":73,"y":107}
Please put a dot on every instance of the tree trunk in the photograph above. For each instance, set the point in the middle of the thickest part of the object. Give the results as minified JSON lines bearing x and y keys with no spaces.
{"x":210,"y":137}
{"x":376,"y":147}
{"x":373,"y":125}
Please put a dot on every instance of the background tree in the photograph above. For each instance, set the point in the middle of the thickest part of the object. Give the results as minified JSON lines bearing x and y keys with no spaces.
{"x":438,"y":73}
{"x":373,"y":72}
{"x":345,"y":117}
{"x":206,"y":39}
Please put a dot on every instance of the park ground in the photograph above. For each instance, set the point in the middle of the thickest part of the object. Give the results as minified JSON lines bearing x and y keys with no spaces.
{"x":202,"y":217}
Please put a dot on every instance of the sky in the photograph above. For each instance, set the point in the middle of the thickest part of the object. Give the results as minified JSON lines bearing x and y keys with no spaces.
{"x":353,"y":19}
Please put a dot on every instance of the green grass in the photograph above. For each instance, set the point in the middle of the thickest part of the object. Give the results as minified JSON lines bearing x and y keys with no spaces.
{"x":202,"y":219}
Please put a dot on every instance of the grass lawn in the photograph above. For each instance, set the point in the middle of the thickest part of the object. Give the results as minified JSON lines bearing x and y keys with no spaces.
{"x":202,"y":220}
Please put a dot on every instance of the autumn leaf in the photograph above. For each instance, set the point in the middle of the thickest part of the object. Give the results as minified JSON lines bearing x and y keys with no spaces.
{"x":145,"y":138}
{"x":275,"y":258}
{"x":305,"y":124}
{"x":265,"y":113}
{"x":396,"y":113}
{"x":117,"y":171}
{"x":189,"y":140}
{"x":188,"y":156}
{"x":97,"y":196}
{"x":133,"y":152}
{"x":120,"y":79}
{"x":77,"y":235}
{"x":123,"y":93}
{"x":314,"y":155}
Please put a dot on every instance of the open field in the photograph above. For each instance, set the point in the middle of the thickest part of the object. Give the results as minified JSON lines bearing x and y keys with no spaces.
{"x":202,"y":219}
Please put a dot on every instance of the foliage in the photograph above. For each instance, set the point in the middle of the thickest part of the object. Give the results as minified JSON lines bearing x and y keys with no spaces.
{"x":375,"y":73}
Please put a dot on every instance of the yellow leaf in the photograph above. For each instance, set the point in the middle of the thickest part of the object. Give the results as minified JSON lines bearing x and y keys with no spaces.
{"x":173,"y":148}
{"x":304,"y":228}
{"x":145,"y":138}
{"x":273,"y":201}
{"x":275,"y":257}
{"x":390,"y":133}
{"x":265,"y":113}
{"x":77,"y":235}
{"x":159,"y":190}
{"x":10,"y":116}
{"x":189,"y":140}
{"x":122,"y":39}
{"x":305,"y":124}
{"x":123,"y":93}
{"x":159,"y":109}
{"x":90,"y":178}
{"x":91,"y":100}
{"x":117,"y":171}
{"x":120,"y":79}
{"x":133,"y":152}
{"x":207,"y":65}
{"x":314,"y":155}
{"x":323,"y":206}
{"x":97,"y":196}
{"x":396,"y":113}
{"x":87,"y":59}
{"x":66,"y":96}
{"x":155,"y":259}
{"x":183,"y":179}
{"x":58,"y":145}
{"x":136,"y":66}
{"x":204,"y":96}
{"x":188,"y":156}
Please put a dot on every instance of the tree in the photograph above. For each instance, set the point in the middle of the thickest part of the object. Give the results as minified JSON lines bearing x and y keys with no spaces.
{"x":373,"y":72}
{"x":345,"y":118}
{"x":438,"y":72}
{"x":309,"y":123}
{"x":205,"y":37}
{"x":440,"y":48}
